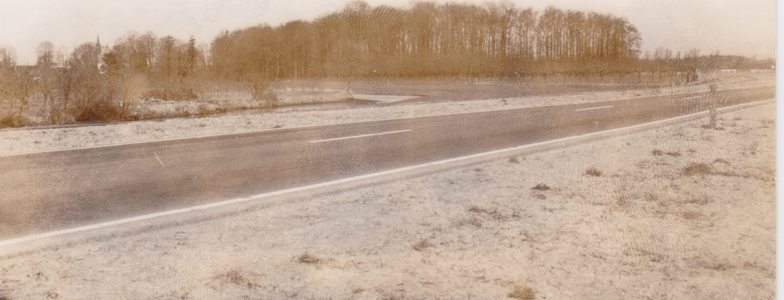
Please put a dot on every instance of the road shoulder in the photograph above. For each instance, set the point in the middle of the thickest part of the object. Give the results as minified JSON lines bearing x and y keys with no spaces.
{"x":679,"y":212}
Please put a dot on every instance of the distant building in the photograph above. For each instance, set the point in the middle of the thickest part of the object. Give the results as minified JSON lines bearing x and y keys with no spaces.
{"x":729,"y":70}
{"x":761,"y":71}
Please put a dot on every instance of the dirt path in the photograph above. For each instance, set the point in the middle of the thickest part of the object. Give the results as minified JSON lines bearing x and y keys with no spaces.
{"x":681,"y":212}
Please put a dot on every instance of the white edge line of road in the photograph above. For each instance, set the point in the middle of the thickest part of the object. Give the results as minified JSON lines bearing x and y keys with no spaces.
{"x":359,"y":136}
{"x":309,"y":126}
{"x":592,"y":108}
{"x":52,"y":234}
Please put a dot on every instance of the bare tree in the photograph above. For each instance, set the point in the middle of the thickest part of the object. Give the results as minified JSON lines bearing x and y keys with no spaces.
{"x":192,"y":54}
{"x":7,"y":57}
{"x":45,"y":72}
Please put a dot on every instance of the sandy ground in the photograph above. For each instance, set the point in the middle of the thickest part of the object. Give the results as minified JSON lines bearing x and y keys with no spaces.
{"x":16,"y":141}
{"x":679,"y":212}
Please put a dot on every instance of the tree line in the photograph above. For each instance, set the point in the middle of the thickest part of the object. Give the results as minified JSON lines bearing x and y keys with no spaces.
{"x":428,"y":40}
{"x":95,"y":82}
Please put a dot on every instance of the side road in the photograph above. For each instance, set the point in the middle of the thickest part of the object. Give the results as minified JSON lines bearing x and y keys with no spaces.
{"x":680,"y":211}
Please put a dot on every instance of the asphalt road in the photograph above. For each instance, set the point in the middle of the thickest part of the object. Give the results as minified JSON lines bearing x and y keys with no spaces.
{"x":49,"y":191}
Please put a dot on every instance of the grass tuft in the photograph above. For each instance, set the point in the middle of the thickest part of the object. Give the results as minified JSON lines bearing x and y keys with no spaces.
{"x":422,"y":245}
{"x":697,"y":169}
{"x":495,"y":214}
{"x":541,"y":187}
{"x":718,"y":266}
{"x":657,"y":152}
{"x":722,"y":161}
{"x":699,"y":201}
{"x":307,"y":258}
{"x":476,"y":209}
{"x":522,"y":293}
{"x":691,"y":215}
{"x":233,"y":277}
{"x":593,"y":172}
{"x":468,"y":221}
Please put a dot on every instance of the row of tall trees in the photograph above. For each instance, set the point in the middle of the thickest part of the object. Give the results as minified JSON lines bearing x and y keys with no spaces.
{"x":427,"y":39}
{"x":162,"y":59}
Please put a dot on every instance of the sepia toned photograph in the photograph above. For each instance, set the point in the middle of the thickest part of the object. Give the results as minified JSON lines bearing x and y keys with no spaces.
{"x":388,"y":149}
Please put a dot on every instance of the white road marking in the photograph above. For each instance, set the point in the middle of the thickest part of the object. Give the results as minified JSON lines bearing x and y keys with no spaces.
{"x":591,"y":108}
{"x":159,"y":160}
{"x":50,"y":234}
{"x":694,"y":97}
{"x":359,"y":136}
{"x":384,"y":98}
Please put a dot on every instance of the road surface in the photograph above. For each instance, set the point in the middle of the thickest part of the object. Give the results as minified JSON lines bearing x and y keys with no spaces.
{"x":44,"y":192}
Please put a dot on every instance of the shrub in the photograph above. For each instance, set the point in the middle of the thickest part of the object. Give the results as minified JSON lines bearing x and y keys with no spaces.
{"x":59,"y":117}
{"x":13,"y":121}
{"x":259,"y":89}
{"x":99,"y":112}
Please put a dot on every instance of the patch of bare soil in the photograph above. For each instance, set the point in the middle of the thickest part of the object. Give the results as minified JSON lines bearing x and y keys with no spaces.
{"x":680,"y":212}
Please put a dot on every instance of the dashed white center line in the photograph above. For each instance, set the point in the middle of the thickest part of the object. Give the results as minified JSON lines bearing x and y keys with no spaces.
{"x":591,"y":108}
{"x":360,"y":136}
{"x":694,"y":97}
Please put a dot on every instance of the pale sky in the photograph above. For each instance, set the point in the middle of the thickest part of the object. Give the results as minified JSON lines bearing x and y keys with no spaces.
{"x":739,"y":27}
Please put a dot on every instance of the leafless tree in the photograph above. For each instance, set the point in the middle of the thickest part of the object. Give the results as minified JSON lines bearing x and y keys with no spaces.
{"x":46,"y":74}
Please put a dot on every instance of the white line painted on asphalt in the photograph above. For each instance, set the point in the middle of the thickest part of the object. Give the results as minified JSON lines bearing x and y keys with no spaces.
{"x":694,"y":97}
{"x":592,"y":108}
{"x":159,"y":160}
{"x":360,"y":136}
{"x":30,"y":238}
